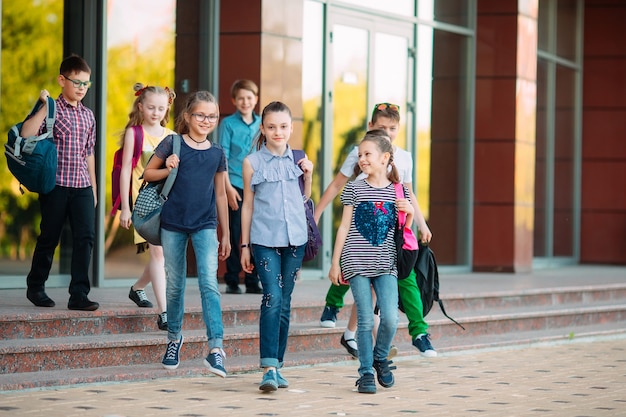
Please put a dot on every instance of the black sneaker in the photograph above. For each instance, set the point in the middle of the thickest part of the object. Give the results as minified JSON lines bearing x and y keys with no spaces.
{"x":366,"y":384}
{"x":171,"y":358}
{"x":329,"y":317}
{"x":254,"y":290}
{"x":39,"y":298}
{"x":162,"y":321}
{"x":352,"y":351}
{"x":383,"y":373}
{"x":233,"y":290}
{"x":140,"y":298}
{"x":84,"y":304}
{"x":422,"y":343}
{"x":215,"y":363}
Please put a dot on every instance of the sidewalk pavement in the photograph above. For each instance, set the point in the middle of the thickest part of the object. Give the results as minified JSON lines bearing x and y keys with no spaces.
{"x":579,"y":377}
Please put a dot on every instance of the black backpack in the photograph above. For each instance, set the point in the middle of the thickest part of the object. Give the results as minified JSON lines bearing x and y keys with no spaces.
{"x":427,"y":277}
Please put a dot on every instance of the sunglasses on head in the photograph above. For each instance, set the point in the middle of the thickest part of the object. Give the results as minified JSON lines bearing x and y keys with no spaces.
{"x":385,"y":106}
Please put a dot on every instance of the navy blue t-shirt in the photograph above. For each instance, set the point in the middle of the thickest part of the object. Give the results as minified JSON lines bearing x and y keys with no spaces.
{"x":190,"y":206}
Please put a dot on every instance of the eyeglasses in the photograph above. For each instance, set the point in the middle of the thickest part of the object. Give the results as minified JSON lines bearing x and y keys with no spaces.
{"x":385,"y":106}
{"x":212,"y":118}
{"x":78,"y":83}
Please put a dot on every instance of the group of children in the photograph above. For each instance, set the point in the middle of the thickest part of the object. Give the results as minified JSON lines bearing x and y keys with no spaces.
{"x":248,"y":186}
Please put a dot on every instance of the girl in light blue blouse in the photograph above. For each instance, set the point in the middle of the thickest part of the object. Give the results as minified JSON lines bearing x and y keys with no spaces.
{"x":274,"y":229}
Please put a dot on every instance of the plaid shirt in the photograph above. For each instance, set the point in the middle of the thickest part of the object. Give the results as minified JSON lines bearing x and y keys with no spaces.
{"x":75,"y":138}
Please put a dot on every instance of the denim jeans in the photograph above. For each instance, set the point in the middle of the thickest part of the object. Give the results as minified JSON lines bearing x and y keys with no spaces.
{"x":205,"y":246}
{"x":278,"y":270}
{"x":386,"y":289}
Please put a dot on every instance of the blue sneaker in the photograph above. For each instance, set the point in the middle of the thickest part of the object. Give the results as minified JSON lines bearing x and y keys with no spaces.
{"x":366,"y":384}
{"x":215,"y":363}
{"x":269,"y":381}
{"x":171,"y":360}
{"x":383,"y":373}
{"x":422,"y":343}
{"x":329,"y":317}
{"x":282,"y":382}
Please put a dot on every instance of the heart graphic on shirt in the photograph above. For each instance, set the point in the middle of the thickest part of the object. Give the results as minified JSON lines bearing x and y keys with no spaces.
{"x":374,"y":219}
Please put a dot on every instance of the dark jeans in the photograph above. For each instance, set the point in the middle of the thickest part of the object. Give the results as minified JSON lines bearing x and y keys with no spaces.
{"x":77,"y":205}
{"x":233,"y":263}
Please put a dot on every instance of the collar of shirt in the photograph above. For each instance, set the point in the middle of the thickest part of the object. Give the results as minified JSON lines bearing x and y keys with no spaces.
{"x":268,"y":156}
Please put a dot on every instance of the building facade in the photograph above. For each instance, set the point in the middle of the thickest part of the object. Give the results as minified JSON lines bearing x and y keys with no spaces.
{"x":513,"y":110}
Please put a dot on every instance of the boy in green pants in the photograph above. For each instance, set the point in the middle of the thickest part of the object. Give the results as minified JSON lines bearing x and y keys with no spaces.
{"x":385,"y":116}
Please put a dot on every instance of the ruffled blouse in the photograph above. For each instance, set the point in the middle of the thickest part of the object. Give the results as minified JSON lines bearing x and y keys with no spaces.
{"x":278,"y":218}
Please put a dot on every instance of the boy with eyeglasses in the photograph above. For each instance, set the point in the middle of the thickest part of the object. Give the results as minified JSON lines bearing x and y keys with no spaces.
{"x":236,"y":134}
{"x":385,"y":116}
{"x":75,"y":194}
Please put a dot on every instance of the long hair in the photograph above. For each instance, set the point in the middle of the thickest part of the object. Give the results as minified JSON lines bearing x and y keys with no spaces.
{"x":383,"y":143}
{"x":135,"y":117}
{"x":273,"y":107}
{"x":190,"y":105}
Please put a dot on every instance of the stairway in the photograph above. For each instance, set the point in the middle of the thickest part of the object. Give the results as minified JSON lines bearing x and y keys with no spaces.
{"x":119,"y":342}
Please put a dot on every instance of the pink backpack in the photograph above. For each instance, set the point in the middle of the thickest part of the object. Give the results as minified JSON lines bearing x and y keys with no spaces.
{"x":117,"y":168}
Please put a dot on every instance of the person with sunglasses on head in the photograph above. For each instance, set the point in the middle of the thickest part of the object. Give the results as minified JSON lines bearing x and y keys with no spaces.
{"x":385,"y":116}
{"x":74,"y":196}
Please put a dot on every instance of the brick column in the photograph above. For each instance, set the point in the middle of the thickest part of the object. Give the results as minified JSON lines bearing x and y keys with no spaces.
{"x":506,"y":63}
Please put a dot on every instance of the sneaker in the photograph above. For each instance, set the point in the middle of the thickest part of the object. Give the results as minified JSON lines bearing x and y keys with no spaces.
{"x":422,"y":343}
{"x":215,"y":363}
{"x":393,"y":352}
{"x":383,"y":373}
{"x":162,"y":321}
{"x":366,"y":384}
{"x":352,"y":351}
{"x":171,"y":360}
{"x":233,"y":290}
{"x":282,"y":382}
{"x":269,"y":382}
{"x":139,"y":297}
{"x":329,"y":317}
{"x":84,"y":304}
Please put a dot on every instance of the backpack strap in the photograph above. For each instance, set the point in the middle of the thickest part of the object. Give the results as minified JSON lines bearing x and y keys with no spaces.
{"x":27,"y":145}
{"x":138,"y":131}
{"x":400,"y":194}
{"x":169,"y":182}
{"x":298,"y":154}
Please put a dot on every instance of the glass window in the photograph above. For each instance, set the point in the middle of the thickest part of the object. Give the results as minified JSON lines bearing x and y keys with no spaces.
{"x":30,"y":62}
{"x":566,"y":28}
{"x":403,"y":7}
{"x":140,"y":48}
{"x":312,"y":83}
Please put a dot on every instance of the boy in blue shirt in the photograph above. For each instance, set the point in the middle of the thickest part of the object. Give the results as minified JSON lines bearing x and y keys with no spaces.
{"x":236,"y":134}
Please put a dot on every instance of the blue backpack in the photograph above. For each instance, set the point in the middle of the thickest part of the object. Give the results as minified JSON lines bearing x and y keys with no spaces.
{"x":33,"y":160}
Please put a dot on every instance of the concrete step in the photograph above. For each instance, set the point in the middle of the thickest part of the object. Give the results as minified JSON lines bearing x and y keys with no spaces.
{"x":58,"y":347}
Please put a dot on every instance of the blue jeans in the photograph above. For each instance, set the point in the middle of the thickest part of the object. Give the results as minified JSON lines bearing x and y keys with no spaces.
{"x":205,"y":246}
{"x":386,"y":289}
{"x":278,"y":270}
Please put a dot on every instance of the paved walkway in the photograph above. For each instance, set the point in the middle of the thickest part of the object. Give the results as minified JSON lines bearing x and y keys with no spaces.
{"x":573,"y":378}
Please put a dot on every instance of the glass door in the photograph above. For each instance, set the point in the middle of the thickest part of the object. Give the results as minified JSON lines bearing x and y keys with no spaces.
{"x":368,"y":62}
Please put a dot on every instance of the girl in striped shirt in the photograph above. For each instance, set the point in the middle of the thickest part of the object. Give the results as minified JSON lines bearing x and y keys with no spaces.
{"x":365,"y":254}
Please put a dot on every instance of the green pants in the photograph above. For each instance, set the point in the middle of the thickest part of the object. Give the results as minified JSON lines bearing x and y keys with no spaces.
{"x":409,"y":294}
{"x":412,"y":302}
